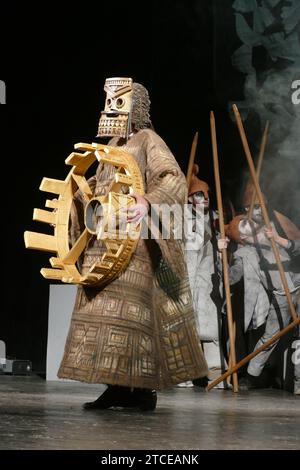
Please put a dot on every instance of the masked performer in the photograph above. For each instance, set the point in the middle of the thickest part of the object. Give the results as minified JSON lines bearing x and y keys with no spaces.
{"x":265,"y":299}
{"x":293,"y":249}
{"x":247,"y":337}
{"x":138,"y":333}
{"x":202,"y":261}
{"x":283,"y":225}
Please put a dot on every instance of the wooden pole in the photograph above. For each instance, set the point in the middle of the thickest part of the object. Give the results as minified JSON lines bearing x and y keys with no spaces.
{"x":229,"y":361}
{"x":264,"y":210}
{"x":259,"y":165}
{"x":253,"y":354}
{"x":192,"y":159}
{"x":224,"y":251}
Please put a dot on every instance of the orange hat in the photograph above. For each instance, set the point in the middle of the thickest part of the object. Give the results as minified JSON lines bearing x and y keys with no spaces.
{"x":196,"y":184}
{"x":232,"y":229}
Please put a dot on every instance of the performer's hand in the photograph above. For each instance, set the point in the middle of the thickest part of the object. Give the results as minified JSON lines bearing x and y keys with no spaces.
{"x":272,"y":233}
{"x":223,"y":243}
{"x":137,"y":211}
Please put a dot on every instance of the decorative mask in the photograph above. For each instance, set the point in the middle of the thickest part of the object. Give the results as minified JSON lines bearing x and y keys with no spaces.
{"x":115,"y":120}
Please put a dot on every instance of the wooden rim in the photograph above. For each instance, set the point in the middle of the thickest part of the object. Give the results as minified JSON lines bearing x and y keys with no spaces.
{"x":119,"y":249}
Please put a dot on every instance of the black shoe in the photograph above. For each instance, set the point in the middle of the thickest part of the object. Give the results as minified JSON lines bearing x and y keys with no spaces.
{"x":145,"y":399}
{"x":201,"y":382}
{"x":114,"y":395}
{"x":248,"y":382}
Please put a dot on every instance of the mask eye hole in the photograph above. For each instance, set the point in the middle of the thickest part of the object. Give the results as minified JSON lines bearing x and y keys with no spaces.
{"x":108,"y":102}
{"x":120,"y":102}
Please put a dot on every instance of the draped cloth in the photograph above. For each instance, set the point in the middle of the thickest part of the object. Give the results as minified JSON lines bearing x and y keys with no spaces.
{"x":139,"y":330}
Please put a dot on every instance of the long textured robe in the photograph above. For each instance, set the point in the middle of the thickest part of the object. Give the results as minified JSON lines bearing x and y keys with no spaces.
{"x":139,"y":330}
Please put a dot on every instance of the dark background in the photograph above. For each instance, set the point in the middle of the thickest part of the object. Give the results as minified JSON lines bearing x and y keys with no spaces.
{"x":54,"y":63}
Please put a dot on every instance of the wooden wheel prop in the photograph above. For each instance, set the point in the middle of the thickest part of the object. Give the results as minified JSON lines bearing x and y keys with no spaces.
{"x":119,"y":241}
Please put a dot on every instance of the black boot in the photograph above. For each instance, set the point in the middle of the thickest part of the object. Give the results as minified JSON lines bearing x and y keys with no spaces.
{"x":114,"y":395}
{"x":249,"y":382}
{"x":201,"y":382}
{"x":145,"y":399}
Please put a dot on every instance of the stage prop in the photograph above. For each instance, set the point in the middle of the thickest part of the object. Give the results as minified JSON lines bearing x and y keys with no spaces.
{"x":120,"y":240}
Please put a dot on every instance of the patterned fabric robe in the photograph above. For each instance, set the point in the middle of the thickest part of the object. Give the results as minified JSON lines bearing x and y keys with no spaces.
{"x":140,"y":330}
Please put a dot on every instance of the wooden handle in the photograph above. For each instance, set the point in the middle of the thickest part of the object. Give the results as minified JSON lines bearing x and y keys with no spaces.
{"x":192,"y":159}
{"x":246,"y":359}
{"x":224,"y":251}
{"x":259,"y":165}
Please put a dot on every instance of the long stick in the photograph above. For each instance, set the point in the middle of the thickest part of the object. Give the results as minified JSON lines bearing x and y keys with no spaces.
{"x":224,"y":251}
{"x":253,"y":354}
{"x":259,"y":165}
{"x":192,"y":159}
{"x":229,"y":361}
{"x":264,"y":210}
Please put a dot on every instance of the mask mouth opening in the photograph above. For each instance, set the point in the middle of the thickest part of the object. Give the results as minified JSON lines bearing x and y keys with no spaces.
{"x":114,"y":113}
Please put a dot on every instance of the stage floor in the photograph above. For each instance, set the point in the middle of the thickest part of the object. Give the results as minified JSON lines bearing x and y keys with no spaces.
{"x":36,"y":414}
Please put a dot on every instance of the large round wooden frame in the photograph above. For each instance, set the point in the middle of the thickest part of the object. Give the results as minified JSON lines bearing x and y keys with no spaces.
{"x":119,"y":246}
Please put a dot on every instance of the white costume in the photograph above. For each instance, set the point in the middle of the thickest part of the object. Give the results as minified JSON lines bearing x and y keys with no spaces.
{"x":202,"y":258}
